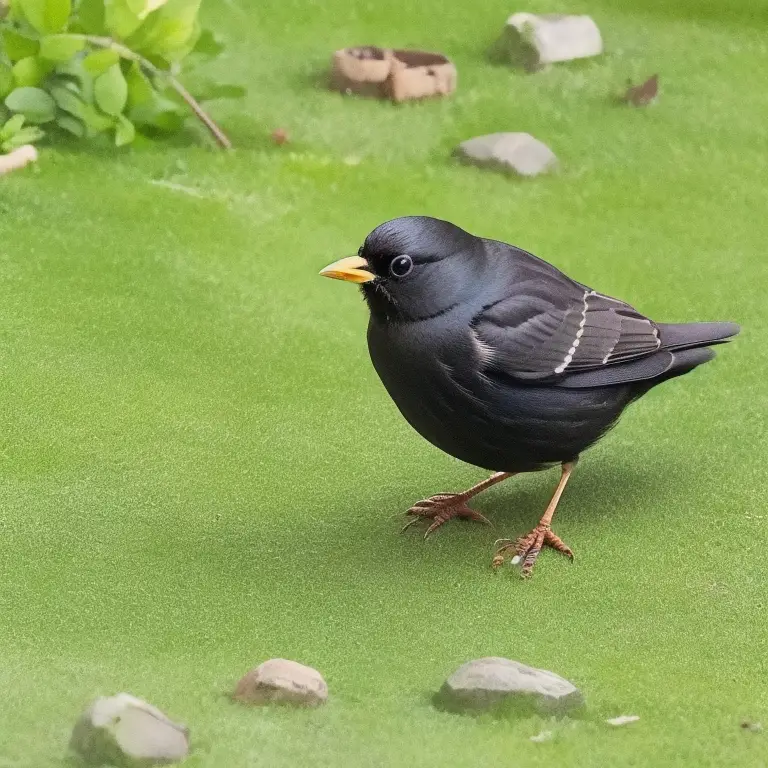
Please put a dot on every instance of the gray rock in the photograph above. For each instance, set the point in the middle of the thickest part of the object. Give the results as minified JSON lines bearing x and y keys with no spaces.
{"x":518,"y":153}
{"x":497,"y":684}
{"x":535,"y":41}
{"x":281,"y":681}
{"x":125,"y":731}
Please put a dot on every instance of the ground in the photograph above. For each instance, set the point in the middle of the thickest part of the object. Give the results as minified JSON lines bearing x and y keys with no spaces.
{"x":200,"y":470}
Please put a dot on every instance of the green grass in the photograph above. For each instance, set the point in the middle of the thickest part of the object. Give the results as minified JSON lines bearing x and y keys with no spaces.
{"x":199,"y":469}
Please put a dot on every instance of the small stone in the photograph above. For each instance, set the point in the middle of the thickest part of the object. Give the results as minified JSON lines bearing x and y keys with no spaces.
{"x":497,"y":684}
{"x":125,"y":731}
{"x":518,"y":153}
{"x":535,"y":41}
{"x":399,"y":75}
{"x":623,"y":720}
{"x":18,"y":159}
{"x":539,"y":738}
{"x":280,"y":136}
{"x":280,"y":681}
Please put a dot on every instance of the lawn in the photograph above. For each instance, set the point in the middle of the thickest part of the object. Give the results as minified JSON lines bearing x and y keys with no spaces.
{"x":200,"y":470}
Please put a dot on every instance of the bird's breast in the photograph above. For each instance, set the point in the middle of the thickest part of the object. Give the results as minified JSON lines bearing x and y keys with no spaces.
{"x":433,"y":370}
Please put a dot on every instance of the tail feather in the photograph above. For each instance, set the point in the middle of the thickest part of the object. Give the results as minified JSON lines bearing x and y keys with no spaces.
{"x":685,"y":335}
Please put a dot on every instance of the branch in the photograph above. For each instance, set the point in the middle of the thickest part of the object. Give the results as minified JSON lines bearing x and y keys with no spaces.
{"x":156,"y":72}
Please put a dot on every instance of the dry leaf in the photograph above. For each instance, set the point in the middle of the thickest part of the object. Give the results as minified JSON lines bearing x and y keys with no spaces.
{"x":643,"y":94}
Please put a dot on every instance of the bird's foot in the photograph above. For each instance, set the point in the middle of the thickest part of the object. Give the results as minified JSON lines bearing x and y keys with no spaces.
{"x":442,"y":508}
{"x":526,"y":549}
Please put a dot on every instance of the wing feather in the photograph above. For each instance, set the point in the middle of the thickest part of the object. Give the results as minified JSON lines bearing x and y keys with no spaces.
{"x":548,"y":331}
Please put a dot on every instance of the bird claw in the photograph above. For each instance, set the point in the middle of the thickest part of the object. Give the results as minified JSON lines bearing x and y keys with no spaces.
{"x":441,"y":508}
{"x":527,"y":549}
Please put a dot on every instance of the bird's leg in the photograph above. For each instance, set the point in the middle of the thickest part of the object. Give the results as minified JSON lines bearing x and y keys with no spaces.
{"x":526,"y":549}
{"x":445,"y":506}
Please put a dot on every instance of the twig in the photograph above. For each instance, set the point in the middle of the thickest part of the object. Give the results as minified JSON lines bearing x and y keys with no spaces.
{"x":17,"y":159}
{"x":156,"y":72}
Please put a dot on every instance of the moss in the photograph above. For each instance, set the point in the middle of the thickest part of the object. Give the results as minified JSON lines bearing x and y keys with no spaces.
{"x":200,"y":469}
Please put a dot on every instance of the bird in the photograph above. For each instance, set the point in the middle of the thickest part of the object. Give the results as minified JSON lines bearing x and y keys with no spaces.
{"x":502,"y":361}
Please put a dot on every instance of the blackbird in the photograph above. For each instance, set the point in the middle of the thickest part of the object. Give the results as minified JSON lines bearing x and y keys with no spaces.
{"x":499,"y":359}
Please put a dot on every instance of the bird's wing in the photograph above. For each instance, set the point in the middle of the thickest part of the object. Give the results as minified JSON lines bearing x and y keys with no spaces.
{"x":550,"y":329}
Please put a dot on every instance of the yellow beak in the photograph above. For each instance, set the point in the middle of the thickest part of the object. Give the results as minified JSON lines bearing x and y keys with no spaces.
{"x":352,"y":269}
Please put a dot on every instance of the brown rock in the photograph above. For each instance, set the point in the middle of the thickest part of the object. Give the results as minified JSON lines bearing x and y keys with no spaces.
{"x":399,"y":75}
{"x":419,"y":74}
{"x":280,"y":681}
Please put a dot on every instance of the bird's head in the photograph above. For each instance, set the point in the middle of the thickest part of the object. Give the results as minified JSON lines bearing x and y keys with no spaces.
{"x":413,"y":267}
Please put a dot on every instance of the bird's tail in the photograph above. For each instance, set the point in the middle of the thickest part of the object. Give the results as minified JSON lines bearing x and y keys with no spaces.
{"x":687,"y":335}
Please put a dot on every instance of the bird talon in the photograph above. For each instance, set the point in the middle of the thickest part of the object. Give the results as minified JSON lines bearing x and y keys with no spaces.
{"x":528,"y":548}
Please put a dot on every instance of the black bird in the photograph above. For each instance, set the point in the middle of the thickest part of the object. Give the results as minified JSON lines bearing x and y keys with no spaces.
{"x":501,"y":360}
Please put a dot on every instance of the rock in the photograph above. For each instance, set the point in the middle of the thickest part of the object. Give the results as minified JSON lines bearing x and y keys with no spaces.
{"x":282,"y":681}
{"x":18,"y":159}
{"x":399,"y":75}
{"x":420,"y":74}
{"x":497,"y":684}
{"x":362,"y":70}
{"x":125,"y":731}
{"x":535,"y":41}
{"x":519,"y":153}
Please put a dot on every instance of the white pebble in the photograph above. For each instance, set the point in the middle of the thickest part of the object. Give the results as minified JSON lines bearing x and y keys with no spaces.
{"x":623,"y":719}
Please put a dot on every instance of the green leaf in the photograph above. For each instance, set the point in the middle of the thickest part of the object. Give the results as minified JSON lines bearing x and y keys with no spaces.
{"x":140,"y":90}
{"x":75,"y":73}
{"x":125,"y":132}
{"x":208,"y":44}
{"x":7,"y":80}
{"x":46,"y":16}
{"x":170,"y":32}
{"x":60,"y":47}
{"x":24,"y":136}
{"x":159,"y":114}
{"x":71,"y":124}
{"x":35,"y":104}
{"x":111,"y":91}
{"x":30,"y":71}
{"x":90,"y":14}
{"x":72,"y":102}
{"x":120,"y":20}
{"x":99,"y":62}
{"x":142,"y":8}
{"x":18,"y":46}
{"x":12,"y":127}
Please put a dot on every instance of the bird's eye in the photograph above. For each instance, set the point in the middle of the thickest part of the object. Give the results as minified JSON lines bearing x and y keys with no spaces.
{"x":401,"y":266}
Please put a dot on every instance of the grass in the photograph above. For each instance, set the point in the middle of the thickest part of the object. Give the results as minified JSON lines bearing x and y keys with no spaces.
{"x":199,"y":469}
